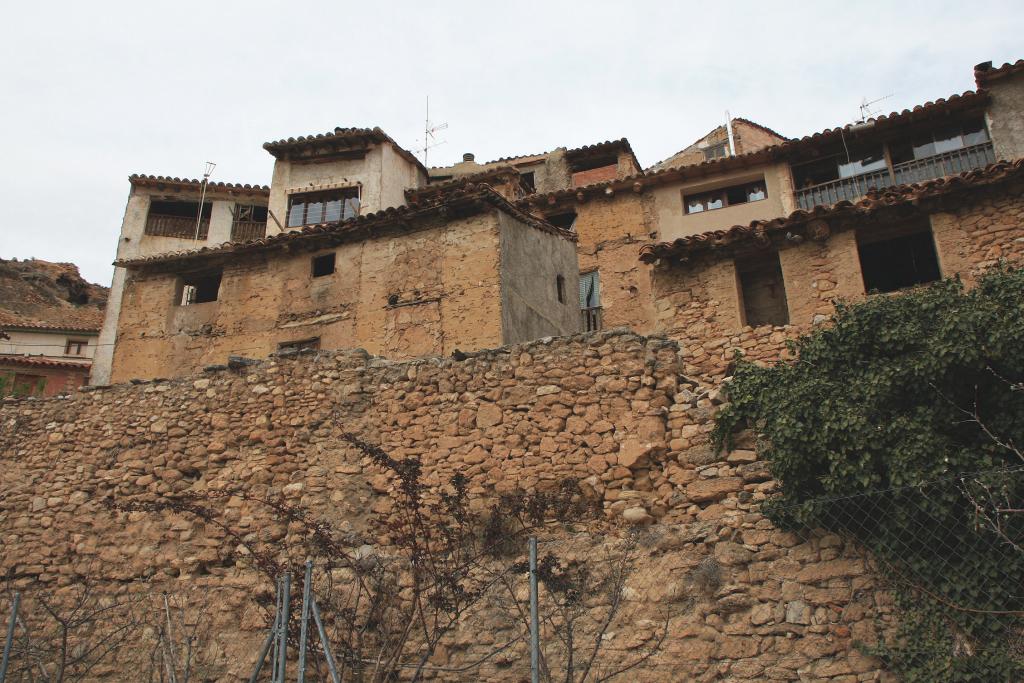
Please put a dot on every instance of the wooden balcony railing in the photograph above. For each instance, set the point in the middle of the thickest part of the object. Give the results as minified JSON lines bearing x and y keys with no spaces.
{"x":176,"y":226}
{"x":591,"y":319}
{"x":243,"y":231}
{"x":850,"y":189}
{"x":937,"y":166}
{"x":947,"y":163}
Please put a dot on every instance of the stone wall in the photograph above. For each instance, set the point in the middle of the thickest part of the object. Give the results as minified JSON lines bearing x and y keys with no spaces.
{"x":612,"y":410}
{"x":698,"y":303}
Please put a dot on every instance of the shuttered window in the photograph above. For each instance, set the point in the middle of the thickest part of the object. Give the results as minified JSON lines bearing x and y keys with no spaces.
{"x":590,"y":290}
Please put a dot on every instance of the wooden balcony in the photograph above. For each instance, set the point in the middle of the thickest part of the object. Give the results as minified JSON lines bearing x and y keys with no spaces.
{"x":181,"y":227}
{"x":591,"y":319}
{"x":918,"y":170}
{"x":947,"y":163}
{"x":244,"y":231}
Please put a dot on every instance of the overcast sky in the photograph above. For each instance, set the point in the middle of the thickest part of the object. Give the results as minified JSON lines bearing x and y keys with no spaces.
{"x":95,"y":91}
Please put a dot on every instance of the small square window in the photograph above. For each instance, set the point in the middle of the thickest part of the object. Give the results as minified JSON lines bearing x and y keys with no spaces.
{"x":200,"y":288}
{"x":323,"y":265}
{"x":75,"y":347}
{"x":762,"y":290}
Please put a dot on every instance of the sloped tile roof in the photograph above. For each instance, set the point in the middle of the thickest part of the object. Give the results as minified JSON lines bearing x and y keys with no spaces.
{"x":354,"y":135}
{"x":142,"y":180}
{"x":65,"y":319}
{"x":43,"y":361}
{"x":985,"y":73}
{"x":471,"y":197}
{"x":758,"y":231}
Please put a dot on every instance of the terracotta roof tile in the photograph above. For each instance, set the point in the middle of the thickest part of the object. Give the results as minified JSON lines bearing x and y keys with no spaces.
{"x":70,"y":319}
{"x":362,"y":227}
{"x":339,"y":134}
{"x":985,"y":73}
{"x":442,"y":186}
{"x":143,"y":180}
{"x":14,"y":359}
{"x":873,"y":202}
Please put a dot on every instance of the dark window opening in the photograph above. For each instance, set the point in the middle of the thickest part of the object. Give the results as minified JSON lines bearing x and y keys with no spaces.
{"x":178,"y":219}
{"x":249,"y":222}
{"x":323,"y":265}
{"x":939,"y":140}
{"x":75,"y":347}
{"x":762,"y":290}
{"x":560,"y":288}
{"x":896,"y":263}
{"x":310,"y":344}
{"x":563,"y":220}
{"x":200,"y":288}
{"x":717,"y":151}
{"x":310,"y":208}
{"x":727,"y":196}
{"x":527,"y":181}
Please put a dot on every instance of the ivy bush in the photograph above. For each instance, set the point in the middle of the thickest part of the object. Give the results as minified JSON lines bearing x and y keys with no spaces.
{"x":887,"y":428}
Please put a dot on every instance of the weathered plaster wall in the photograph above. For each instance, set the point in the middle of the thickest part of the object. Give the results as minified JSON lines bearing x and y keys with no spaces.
{"x":46,"y":343}
{"x":1003,"y":115}
{"x":445,"y":279}
{"x":672,"y":221}
{"x":133,"y":242}
{"x":531,"y":263}
{"x":382,"y":176}
{"x":698,"y":302}
{"x":610,"y":409}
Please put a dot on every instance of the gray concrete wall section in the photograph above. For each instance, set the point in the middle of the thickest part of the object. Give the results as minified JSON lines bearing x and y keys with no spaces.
{"x":531,"y":261}
{"x":1005,"y":122}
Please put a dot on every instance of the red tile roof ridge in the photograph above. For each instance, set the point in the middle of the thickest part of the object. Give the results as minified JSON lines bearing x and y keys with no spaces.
{"x":469,"y":193}
{"x":145,"y":179}
{"x":339,"y":133}
{"x":985,"y":72}
{"x":873,"y":201}
{"x":563,"y":148}
{"x":20,"y":359}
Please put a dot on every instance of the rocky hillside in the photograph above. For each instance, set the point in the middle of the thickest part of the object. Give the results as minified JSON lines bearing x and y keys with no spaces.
{"x":50,"y":294}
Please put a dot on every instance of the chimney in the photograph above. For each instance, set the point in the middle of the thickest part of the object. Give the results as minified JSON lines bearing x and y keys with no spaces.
{"x":467,"y":157}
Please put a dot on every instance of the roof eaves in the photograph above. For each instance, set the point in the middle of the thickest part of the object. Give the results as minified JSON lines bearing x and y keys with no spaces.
{"x":985,"y":73}
{"x":140,"y":179}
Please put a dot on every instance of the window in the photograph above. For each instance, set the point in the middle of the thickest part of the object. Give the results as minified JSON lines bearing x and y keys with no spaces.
{"x":716,"y":151}
{"x":244,"y":213}
{"x":177,"y":219}
{"x":311,"y":344}
{"x":944,"y":139}
{"x":728,"y":196}
{"x":310,"y":208}
{"x":894,"y":263}
{"x":249,"y":222}
{"x":323,"y":265}
{"x":590,"y":300}
{"x":75,"y":347}
{"x":859,"y":160}
{"x":527,"y":181}
{"x":563,"y":220}
{"x":762,"y":290}
{"x":560,"y":288}
{"x":200,"y":288}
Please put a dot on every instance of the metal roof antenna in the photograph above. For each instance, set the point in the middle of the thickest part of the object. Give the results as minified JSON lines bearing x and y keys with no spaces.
{"x":728,"y":130}
{"x":202,"y":196}
{"x":430,"y":135}
{"x":866,"y":111}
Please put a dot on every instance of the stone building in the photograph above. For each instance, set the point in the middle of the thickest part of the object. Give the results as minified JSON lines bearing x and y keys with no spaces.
{"x":739,"y":174}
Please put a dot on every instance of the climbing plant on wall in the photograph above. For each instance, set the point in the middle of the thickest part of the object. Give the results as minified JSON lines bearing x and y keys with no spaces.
{"x":901,"y":424}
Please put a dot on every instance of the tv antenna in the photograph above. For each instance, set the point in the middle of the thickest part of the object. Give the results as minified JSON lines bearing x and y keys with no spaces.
{"x":207,"y":172}
{"x":430,"y":140}
{"x":866,"y":111}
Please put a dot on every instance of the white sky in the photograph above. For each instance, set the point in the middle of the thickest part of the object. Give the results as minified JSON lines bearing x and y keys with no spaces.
{"x":95,"y":91}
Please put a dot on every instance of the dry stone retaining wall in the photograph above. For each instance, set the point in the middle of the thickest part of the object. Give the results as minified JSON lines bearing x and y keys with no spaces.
{"x":611,"y":410}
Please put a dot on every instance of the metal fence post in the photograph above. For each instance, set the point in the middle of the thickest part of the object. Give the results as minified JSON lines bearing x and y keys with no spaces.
{"x":306,"y":588}
{"x":9,"y":642}
{"x":534,"y":615}
{"x":282,"y":645}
